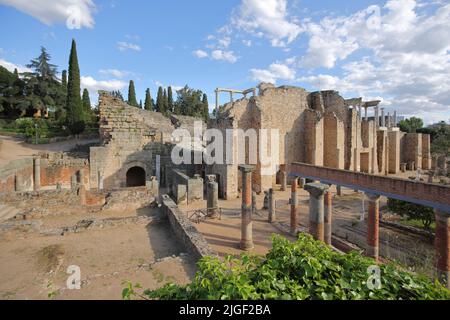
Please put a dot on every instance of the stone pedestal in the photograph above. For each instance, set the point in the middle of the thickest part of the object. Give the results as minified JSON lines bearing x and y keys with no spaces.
{"x":37,"y":173}
{"x":328,"y":211}
{"x":403,"y":167}
{"x":373,"y":221}
{"x":442,"y":247}
{"x":272,"y":209}
{"x":294,"y":206}
{"x":316,"y":209}
{"x":246,"y":223}
{"x":283,"y":178}
{"x":212,"y":196}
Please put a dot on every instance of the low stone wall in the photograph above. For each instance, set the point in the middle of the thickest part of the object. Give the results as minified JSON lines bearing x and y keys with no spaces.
{"x":193,"y":190}
{"x":184,"y":231}
{"x":22,"y":168}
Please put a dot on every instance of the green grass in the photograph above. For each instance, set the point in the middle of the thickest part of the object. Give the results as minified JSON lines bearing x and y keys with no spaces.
{"x":415,"y":223}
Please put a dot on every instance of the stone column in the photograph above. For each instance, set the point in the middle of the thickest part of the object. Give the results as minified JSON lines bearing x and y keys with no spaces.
{"x":272,"y":209}
{"x":37,"y":173}
{"x":19,"y":183}
{"x":73,"y":182}
{"x":377,"y":117}
{"x":283,"y":178}
{"x":316,"y":209}
{"x":339,"y":191}
{"x":389,"y":120}
{"x":100,"y":180}
{"x":383,"y":119}
{"x":246,"y":226}
{"x":442,"y":247}
{"x":365,"y":113}
{"x":254,"y":201}
{"x":212,"y":196}
{"x":294,"y":206}
{"x":302,"y":182}
{"x":395,"y":119}
{"x":328,"y":217}
{"x":373,"y":221}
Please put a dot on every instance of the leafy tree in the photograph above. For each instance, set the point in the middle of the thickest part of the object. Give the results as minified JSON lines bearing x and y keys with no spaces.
{"x":117,"y":94}
{"x":132,"y":95}
{"x":303,"y":270}
{"x":75,"y":114}
{"x":42,"y":67}
{"x":410,"y":125}
{"x":189,"y":102}
{"x":11,"y":93}
{"x":160,"y":100}
{"x":170,"y":99}
{"x":148,"y":105}
{"x":413,"y":211}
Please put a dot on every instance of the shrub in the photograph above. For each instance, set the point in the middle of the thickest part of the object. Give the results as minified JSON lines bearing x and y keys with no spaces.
{"x":412,"y":211}
{"x":305,"y":269}
{"x":77,"y":127}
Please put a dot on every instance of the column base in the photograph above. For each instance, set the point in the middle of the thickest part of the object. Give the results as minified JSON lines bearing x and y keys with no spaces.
{"x":372,"y":252}
{"x":246,"y":245}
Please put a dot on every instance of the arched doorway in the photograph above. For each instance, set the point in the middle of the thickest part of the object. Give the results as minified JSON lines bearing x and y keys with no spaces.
{"x":135,"y":177}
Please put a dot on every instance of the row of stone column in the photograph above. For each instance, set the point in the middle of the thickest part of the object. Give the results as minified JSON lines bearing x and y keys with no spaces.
{"x":320,"y":219}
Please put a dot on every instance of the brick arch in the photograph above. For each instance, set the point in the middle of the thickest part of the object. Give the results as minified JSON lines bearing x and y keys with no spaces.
{"x":131,"y":164}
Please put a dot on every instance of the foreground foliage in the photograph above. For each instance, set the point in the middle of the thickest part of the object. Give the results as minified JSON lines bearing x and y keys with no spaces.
{"x":306,"y":269}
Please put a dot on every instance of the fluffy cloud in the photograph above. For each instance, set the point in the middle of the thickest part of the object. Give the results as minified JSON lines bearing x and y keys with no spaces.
{"x":267,"y":18}
{"x":124,"y":46}
{"x":224,"y":55}
{"x":75,"y":14}
{"x":276,"y":71}
{"x":94,"y":85}
{"x":115,"y":73}
{"x":200,"y":54}
{"x":11,"y":66}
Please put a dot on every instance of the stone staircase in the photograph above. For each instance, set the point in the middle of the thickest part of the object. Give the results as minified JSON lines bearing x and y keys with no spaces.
{"x":7,"y":212}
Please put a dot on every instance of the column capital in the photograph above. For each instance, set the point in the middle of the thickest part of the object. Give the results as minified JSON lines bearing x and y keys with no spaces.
{"x":246,"y":168}
{"x":372,"y":196}
{"x":316,"y":189}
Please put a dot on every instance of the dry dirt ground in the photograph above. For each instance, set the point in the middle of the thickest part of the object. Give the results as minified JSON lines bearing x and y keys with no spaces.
{"x":12,"y":148}
{"x":122,"y":245}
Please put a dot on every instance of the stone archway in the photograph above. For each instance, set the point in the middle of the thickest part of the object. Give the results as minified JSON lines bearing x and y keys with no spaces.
{"x":135,"y":177}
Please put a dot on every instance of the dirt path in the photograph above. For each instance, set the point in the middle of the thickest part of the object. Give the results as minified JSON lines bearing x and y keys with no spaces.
{"x":12,"y":148}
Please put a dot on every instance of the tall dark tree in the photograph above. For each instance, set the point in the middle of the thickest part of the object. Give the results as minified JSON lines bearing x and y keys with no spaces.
{"x":205,"y":107}
{"x":160,"y":100}
{"x":165,"y":102}
{"x":140,"y":104}
{"x":64,"y":79}
{"x":117,"y":94}
{"x":42,"y":67}
{"x":86,"y":102}
{"x":170,"y":99}
{"x":148,"y":100}
{"x":75,"y":115}
{"x":132,"y":95}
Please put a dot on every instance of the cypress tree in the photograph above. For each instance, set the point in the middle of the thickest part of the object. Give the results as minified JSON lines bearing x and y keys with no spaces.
{"x":160,"y":100}
{"x":140,"y":104}
{"x":16,"y":74}
{"x":170,"y":100}
{"x":74,"y":106}
{"x":165,"y":102}
{"x":86,"y":102}
{"x":205,"y":107}
{"x":132,"y":95}
{"x":148,"y":100}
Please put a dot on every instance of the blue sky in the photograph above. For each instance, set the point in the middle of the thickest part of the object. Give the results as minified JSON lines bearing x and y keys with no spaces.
{"x":395,"y":50}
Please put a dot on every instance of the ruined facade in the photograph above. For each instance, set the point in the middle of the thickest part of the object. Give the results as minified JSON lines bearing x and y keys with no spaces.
{"x":319,"y":128}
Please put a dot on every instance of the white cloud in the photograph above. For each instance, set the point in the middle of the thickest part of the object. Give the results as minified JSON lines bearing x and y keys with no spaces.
{"x":123,"y":46}
{"x":269,"y":18}
{"x":11,"y":66}
{"x":200,"y":54}
{"x":74,"y":13}
{"x":93,"y":85}
{"x":224,"y":42}
{"x":224,"y":55}
{"x":276,"y":71}
{"x":247,"y":43}
{"x":115,"y":73}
